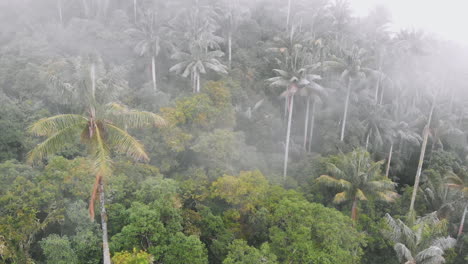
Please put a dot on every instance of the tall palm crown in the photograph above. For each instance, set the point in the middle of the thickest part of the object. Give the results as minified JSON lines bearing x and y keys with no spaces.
{"x":358,"y":178}
{"x":421,"y":242}
{"x":196,"y":62}
{"x":102,"y":129}
{"x":198,"y":48}
{"x":147,"y":35}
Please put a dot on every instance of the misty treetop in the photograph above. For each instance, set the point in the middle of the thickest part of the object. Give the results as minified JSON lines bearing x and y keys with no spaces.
{"x":228,"y":131}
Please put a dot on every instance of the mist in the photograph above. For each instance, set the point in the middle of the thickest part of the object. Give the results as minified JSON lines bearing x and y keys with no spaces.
{"x":233,"y":131}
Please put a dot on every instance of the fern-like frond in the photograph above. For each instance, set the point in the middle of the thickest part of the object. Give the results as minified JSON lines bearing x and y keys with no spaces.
{"x":340,"y":197}
{"x":124,"y":143}
{"x":133,"y":118}
{"x":54,"y":143}
{"x":403,"y":253}
{"x":51,"y":125}
{"x":332,"y":182}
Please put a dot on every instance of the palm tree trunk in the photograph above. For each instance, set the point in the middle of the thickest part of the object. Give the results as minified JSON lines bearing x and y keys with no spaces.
{"x":421,"y":158}
{"x":105,"y":240}
{"x":306,"y":123}
{"x":462,"y":222}
{"x":153,"y":73}
{"x":376,"y":96}
{"x":367,"y":139}
{"x":345,"y":114}
{"x":289,"y":15}
{"x":230,"y":48}
{"x":354,"y":210}
{"x":312,"y":124}
{"x":192,"y":81}
{"x":135,"y":10}
{"x":381,"y":95}
{"x":288,"y":133}
{"x":389,"y":160}
{"x":59,"y":6}
{"x":198,"y":82}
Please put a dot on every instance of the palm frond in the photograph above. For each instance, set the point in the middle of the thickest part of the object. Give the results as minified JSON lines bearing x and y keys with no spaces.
{"x":51,"y":125}
{"x":54,"y":143}
{"x":403,"y":253}
{"x":332,"y":182}
{"x":124,"y":143}
{"x":133,"y":118}
{"x":340,"y":197}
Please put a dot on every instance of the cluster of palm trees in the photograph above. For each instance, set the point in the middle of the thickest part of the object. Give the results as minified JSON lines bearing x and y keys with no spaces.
{"x":317,"y":58}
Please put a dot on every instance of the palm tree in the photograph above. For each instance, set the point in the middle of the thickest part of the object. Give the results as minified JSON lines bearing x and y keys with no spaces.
{"x":377,"y":125}
{"x":421,"y":157}
{"x":439,"y":197}
{"x":102,"y":129}
{"x":196,"y":62}
{"x":147,"y":34}
{"x":229,"y":16}
{"x":290,"y":81}
{"x":292,"y":77}
{"x":402,"y":130}
{"x":313,"y":92}
{"x":350,"y":68}
{"x":421,"y":242}
{"x":358,"y":178}
{"x":461,"y":185}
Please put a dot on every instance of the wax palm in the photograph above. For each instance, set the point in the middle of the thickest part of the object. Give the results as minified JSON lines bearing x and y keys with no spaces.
{"x":358,"y":178}
{"x":314,"y":94}
{"x":459,"y":184}
{"x":350,"y":68}
{"x":148,"y":39}
{"x":378,"y":125}
{"x":438,"y":195}
{"x":421,"y":242}
{"x":103,"y":130}
{"x":291,"y":78}
{"x":229,"y":15}
{"x":196,"y":62}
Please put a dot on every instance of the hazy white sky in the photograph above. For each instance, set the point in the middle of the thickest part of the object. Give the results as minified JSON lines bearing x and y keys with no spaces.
{"x":447,"y":18}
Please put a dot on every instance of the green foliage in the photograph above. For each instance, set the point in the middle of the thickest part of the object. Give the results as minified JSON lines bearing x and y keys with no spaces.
{"x":244,"y":191}
{"x":58,"y":250}
{"x":185,"y":249}
{"x":210,"y":190}
{"x":314,"y":233}
{"x":134,"y":257}
{"x":241,"y":253}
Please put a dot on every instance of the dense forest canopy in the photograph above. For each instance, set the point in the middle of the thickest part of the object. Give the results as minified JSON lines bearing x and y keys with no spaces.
{"x":228,"y":131}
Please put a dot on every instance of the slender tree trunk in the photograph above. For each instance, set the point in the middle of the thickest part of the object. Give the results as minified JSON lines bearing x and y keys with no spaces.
{"x":312,"y":124}
{"x":354,"y":210}
{"x":289,"y":15}
{"x":93,"y":79}
{"x":153,"y":72}
{"x":59,"y":6}
{"x":421,"y":158}
{"x":382,"y":94}
{"x":198,"y":82}
{"x":376,"y":96}
{"x":306,"y":123}
{"x":135,"y":11}
{"x":462,"y":222}
{"x":230,"y":49}
{"x":105,"y":240}
{"x":193,"y":81}
{"x":288,"y":133}
{"x":389,"y":160}
{"x":367,"y":139}
{"x":345,"y":114}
